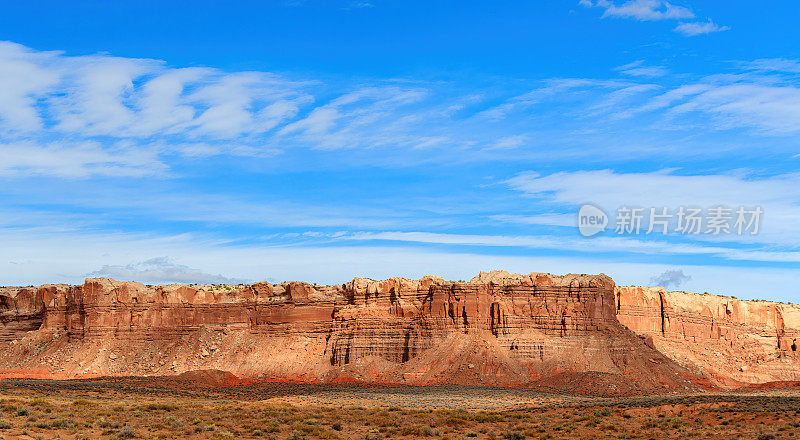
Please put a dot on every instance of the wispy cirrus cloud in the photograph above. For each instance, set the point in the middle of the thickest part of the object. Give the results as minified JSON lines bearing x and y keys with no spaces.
{"x":611,"y":244}
{"x":772,"y":65}
{"x":700,"y":28}
{"x":645,"y":10}
{"x":132,"y":117}
{"x":35,"y":262}
{"x":201,"y":112}
{"x":25,"y":76}
{"x":77,"y":160}
{"x":762,"y":96}
{"x":769,"y":108}
{"x":509,"y":142}
{"x":639,"y":68}
{"x":778,"y":196}
{"x":656,"y":10}
{"x":101,"y":95}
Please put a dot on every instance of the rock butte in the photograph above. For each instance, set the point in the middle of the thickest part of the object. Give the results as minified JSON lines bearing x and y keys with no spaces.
{"x":731,"y":342}
{"x":569,"y":333}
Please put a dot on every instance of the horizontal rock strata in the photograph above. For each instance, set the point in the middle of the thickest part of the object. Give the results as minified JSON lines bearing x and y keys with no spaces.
{"x":497,"y":329}
{"x":728,"y":340}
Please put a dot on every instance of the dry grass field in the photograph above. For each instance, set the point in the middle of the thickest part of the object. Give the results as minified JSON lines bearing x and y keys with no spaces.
{"x":137,"y":408}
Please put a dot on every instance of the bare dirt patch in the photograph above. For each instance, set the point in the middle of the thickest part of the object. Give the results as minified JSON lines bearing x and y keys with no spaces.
{"x":114,"y":408}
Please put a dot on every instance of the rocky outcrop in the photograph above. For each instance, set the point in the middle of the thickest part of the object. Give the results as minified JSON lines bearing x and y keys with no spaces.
{"x":498,"y":329}
{"x":728,"y":340}
{"x":20,"y":311}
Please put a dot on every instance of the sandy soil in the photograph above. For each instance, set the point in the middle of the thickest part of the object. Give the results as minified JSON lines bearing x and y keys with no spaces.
{"x":183,"y":408}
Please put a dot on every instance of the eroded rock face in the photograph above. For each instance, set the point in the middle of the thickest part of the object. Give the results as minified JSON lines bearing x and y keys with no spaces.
{"x":726,"y":339}
{"x":21,"y":310}
{"x":497,"y":329}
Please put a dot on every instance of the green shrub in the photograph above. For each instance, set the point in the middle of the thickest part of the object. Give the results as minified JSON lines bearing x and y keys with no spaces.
{"x":296,"y":435}
{"x":160,"y":407}
{"x":61,"y":423}
{"x":488,"y":418}
{"x":411,"y":430}
{"x":127,"y":432}
{"x":39,"y":402}
{"x":602,"y":412}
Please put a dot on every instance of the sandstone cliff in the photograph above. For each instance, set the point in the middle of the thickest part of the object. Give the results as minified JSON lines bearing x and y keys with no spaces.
{"x":728,"y":340}
{"x":497,"y":329}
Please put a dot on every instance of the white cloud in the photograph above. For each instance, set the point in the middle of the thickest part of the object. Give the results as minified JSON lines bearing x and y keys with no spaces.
{"x":509,"y":142}
{"x":40,"y":254}
{"x":670,"y":279}
{"x":700,"y":28}
{"x":25,"y":77}
{"x":644,"y":10}
{"x":81,"y":160}
{"x":541,"y":219}
{"x":638,"y":68}
{"x":200,"y":112}
{"x":552,"y":89}
{"x":366,"y":117}
{"x":100,"y":91}
{"x":161,"y":270}
{"x":101,"y":95}
{"x":764,"y":105}
{"x":779,"y":196}
{"x":162,"y":103}
{"x":773,"y":109}
{"x":355,"y":4}
{"x":773,"y":65}
{"x":209,"y":149}
{"x":621,"y":98}
{"x":100,"y":102}
{"x":230,"y":100}
{"x":623,"y":244}
{"x":169,"y":203}
{"x":672,"y":97}
{"x":656,"y":10}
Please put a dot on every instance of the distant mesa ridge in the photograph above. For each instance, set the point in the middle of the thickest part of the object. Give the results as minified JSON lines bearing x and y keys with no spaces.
{"x":567,"y":333}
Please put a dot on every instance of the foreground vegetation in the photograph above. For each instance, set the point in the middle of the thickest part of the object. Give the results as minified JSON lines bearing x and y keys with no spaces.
{"x":119,"y":414}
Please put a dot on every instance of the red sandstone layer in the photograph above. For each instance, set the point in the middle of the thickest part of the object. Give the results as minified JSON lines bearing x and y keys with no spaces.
{"x":730,"y":341}
{"x":497,"y":329}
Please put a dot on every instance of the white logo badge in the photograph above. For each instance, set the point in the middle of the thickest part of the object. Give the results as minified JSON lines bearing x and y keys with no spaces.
{"x":591,"y":220}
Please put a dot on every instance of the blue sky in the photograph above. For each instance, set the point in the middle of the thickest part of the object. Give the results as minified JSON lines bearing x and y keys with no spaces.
{"x":322,"y":140}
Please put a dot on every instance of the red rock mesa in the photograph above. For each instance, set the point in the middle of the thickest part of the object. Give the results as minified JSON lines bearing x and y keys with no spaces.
{"x":731,"y":342}
{"x":572,"y":332}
